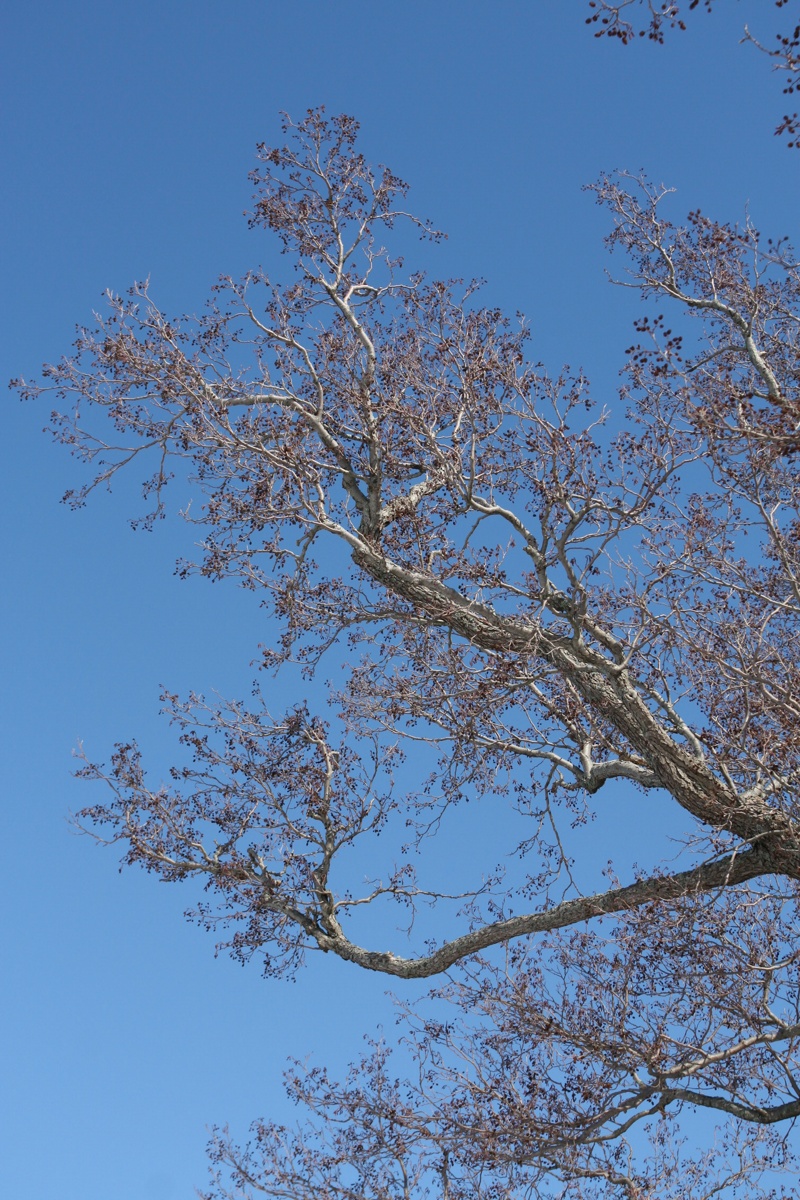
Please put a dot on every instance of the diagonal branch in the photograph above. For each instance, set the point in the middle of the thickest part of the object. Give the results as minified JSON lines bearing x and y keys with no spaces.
{"x":734,"y":869}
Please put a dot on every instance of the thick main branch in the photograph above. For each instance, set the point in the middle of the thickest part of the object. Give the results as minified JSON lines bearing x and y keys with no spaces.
{"x":608,"y":688}
{"x":726,"y":872}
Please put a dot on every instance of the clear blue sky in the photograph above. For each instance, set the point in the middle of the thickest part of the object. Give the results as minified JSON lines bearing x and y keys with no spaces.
{"x":128,"y":131}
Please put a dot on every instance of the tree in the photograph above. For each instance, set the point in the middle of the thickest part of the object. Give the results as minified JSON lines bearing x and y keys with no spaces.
{"x":543,"y":597}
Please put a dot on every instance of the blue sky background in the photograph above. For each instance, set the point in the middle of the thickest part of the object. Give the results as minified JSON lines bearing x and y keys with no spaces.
{"x":127,"y":135}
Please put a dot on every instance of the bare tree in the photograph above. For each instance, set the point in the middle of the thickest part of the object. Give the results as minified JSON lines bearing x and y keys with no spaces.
{"x":541,"y":595}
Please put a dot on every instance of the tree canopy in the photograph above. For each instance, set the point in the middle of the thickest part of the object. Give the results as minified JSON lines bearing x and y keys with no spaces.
{"x":537,"y":597}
